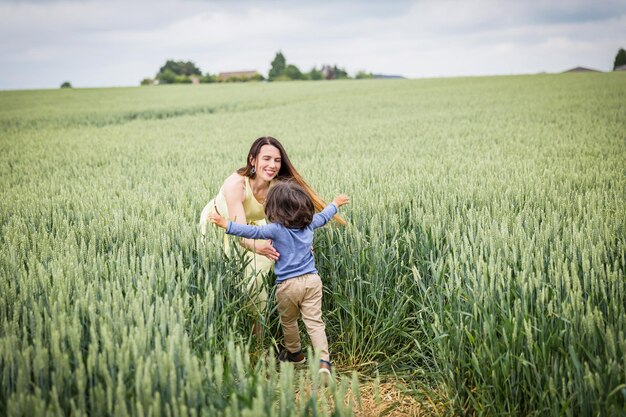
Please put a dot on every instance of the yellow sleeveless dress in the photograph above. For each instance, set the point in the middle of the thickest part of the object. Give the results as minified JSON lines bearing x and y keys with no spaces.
{"x":257,"y":265}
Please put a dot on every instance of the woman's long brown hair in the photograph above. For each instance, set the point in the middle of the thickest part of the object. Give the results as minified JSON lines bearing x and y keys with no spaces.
{"x":287,"y":171}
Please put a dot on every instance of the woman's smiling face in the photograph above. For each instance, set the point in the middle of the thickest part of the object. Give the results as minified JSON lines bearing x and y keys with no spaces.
{"x":267,"y":162}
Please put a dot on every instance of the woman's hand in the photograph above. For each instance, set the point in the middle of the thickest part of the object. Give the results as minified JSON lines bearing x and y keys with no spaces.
{"x":265,"y":248}
{"x":218,"y":220}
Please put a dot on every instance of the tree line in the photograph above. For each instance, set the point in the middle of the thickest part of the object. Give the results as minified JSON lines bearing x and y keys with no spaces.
{"x":186,"y":72}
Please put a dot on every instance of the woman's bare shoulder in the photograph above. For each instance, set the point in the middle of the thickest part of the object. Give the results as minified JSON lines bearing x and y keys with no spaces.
{"x":234,"y":185}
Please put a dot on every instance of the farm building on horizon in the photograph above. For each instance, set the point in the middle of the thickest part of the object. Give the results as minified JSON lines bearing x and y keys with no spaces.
{"x":580,"y":69}
{"x":386,"y":76}
{"x":240,"y":75}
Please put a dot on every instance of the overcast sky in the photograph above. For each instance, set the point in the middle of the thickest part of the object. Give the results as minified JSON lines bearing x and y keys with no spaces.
{"x":119,"y":42}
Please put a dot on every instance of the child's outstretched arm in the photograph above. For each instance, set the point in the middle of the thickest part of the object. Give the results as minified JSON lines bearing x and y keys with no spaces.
{"x":243,"y":230}
{"x":320,"y":219}
{"x":340,"y":200}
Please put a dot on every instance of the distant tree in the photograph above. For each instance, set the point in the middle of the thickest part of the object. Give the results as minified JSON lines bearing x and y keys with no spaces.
{"x":315,"y":74}
{"x":66,"y":84}
{"x":340,"y":73}
{"x":208,"y":78}
{"x":171,"y":66}
{"x":182,"y":79}
{"x":362,"y":75}
{"x":293,"y":73}
{"x":186,"y":68}
{"x":147,"y":81}
{"x":620,"y":58}
{"x":166,"y":76}
{"x":278,"y":66}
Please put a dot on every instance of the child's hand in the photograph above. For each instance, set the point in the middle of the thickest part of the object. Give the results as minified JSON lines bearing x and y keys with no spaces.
{"x":218,"y":220}
{"x":340,"y":200}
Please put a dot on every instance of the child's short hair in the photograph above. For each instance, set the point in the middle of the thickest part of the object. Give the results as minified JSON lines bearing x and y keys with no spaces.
{"x":287,"y":203}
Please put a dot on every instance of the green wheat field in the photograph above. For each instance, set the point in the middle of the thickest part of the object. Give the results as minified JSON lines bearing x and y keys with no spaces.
{"x":483,"y":265}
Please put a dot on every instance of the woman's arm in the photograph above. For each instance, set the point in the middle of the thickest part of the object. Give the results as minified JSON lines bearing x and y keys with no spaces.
{"x":234,"y":190}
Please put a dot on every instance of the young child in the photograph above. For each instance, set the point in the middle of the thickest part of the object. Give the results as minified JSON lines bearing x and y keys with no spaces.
{"x":292,"y":221}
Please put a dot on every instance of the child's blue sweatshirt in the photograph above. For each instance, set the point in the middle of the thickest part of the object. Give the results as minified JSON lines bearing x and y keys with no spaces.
{"x":293,"y":245}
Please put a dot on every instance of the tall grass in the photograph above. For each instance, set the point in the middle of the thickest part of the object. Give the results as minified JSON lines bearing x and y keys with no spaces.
{"x":485,"y":251}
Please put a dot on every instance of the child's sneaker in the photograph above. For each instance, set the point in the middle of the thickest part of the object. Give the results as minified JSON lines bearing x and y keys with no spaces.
{"x":325,"y":368}
{"x":286,"y":356}
{"x":324,"y":373}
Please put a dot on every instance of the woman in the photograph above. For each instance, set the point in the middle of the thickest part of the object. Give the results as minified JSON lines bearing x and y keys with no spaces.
{"x":241,"y":199}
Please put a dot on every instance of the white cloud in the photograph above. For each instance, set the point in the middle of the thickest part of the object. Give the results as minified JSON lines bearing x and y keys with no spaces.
{"x":117,"y":43}
{"x":209,"y":28}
